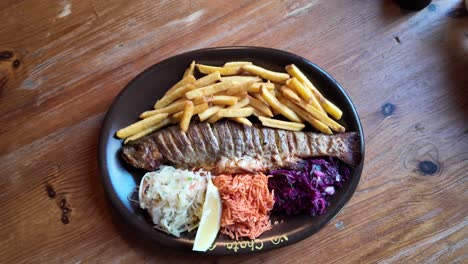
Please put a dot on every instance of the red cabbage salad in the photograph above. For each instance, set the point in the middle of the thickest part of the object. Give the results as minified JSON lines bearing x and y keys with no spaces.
{"x":308,"y":189}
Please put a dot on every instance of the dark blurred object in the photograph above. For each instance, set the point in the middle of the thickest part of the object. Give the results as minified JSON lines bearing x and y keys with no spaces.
{"x":413,"y":4}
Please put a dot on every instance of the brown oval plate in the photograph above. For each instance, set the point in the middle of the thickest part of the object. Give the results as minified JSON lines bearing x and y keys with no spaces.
{"x":120,"y":180}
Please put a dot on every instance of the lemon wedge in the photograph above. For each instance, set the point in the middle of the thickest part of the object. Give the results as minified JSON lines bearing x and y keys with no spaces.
{"x":210,"y":221}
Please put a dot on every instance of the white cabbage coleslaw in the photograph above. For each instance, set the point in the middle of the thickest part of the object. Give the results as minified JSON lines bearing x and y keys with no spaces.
{"x":174,"y":198}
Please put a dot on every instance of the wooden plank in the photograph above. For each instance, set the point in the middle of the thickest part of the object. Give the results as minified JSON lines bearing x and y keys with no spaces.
{"x":404,"y":71}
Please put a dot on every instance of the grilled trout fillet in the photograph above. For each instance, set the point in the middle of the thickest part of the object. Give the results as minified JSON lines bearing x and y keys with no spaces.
{"x":229,"y":147}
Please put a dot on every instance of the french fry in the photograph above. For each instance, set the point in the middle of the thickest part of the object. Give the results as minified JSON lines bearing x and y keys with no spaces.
{"x":238,"y":96}
{"x":309,"y":118}
{"x":188,"y":113}
{"x":238,"y":88}
{"x":209,"y":90}
{"x":242,"y":120}
{"x":209,"y":112}
{"x":184,"y":81}
{"x":196,"y":110}
{"x":141,"y":125}
{"x":241,"y":79}
{"x":232,"y":70}
{"x":175,"y":118}
{"x":286,"y":125}
{"x":171,"y":97}
{"x":277,"y":86}
{"x":328,"y":106}
{"x":259,"y":97}
{"x":200,"y":108}
{"x":190,"y":69}
{"x":255,"y":87}
{"x":203,"y":99}
{"x":258,"y":113}
{"x":172,"y":108}
{"x":278,"y":77}
{"x":320,"y":116}
{"x":148,"y":131}
{"x":207,"y":80}
{"x":242,"y":112}
{"x":259,"y":105}
{"x":290,"y":94}
{"x":303,"y":91}
{"x":294,"y":71}
{"x":224,"y":100}
{"x":275,"y":104}
{"x":244,"y":102}
{"x":236,"y":63}
{"x":277,"y":95}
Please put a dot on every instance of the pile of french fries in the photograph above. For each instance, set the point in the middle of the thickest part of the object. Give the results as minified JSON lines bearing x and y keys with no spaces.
{"x":236,"y":91}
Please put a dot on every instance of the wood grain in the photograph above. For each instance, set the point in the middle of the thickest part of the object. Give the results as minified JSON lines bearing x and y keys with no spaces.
{"x":63,"y":62}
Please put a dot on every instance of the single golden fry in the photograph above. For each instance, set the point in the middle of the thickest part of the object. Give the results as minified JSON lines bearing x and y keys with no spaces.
{"x":200,"y":108}
{"x":141,"y":125}
{"x":203,"y":99}
{"x":308,"y":117}
{"x":242,"y":112}
{"x":277,"y":86}
{"x":290,"y":94}
{"x":244,"y":102}
{"x":184,"y":81}
{"x":259,"y":97}
{"x":277,"y":95}
{"x":329,"y":107}
{"x":275,"y":104}
{"x":255,"y":87}
{"x":188,"y":113}
{"x":282,"y":99}
{"x":241,"y":79}
{"x":279,"y":77}
{"x":306,"y":94}
{"x":209,"y":112}
{"x":220,"y":93}
{"x":303,"y":91}
{"x":275,"y":123}
{"x":205,"y":69}
{"x":236,"y":63}
{"x":170,"y":109}
{"x":224,"y":100}
{"x":258,"y":113}
{"x":209,"y":90}
{"x":148,"y":131}
{"x":175,"y":118}
{"x":259,"y":105}
{"x":190,"y":69}
{"x":207,"y":80}
{"x":238,"y":88}
{"x":196,"y":110}
{"x":242,"y":120}
{"x":214,"y":118}
{"x":320,"y":116}
{"x":171,"y":97}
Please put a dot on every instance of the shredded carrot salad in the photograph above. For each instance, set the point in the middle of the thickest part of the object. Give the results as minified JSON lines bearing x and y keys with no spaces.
{"x":246,"y":204}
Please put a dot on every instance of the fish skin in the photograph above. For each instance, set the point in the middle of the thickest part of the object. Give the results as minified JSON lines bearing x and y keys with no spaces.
{"x":230,"y":147}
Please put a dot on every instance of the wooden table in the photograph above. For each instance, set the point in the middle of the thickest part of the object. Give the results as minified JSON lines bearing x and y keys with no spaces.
{"x":63,"y":62}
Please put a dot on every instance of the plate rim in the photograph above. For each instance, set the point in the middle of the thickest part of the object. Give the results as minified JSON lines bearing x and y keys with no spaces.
{"x":122,"y":210}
